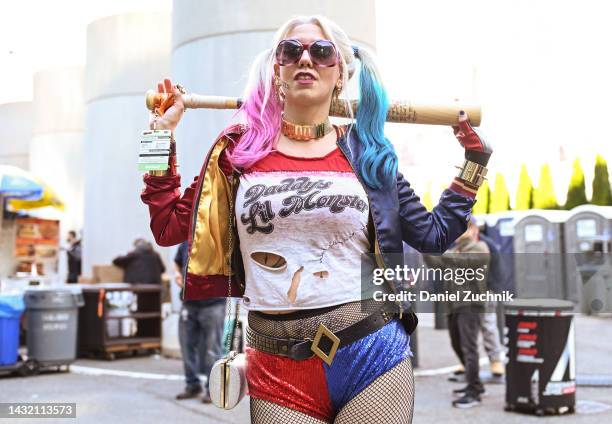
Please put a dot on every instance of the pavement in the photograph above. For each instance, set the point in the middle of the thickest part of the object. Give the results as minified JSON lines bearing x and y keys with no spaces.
{"x":142,"y":389}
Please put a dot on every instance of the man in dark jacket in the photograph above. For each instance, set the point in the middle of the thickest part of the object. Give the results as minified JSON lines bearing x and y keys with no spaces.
{"x":143,"y":265}
{"x":74,"y":257}
{"x":464,"y":317}
{"x":488,"y":323}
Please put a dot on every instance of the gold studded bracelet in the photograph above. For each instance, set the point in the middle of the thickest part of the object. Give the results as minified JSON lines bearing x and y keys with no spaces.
{"x":472,"y":173}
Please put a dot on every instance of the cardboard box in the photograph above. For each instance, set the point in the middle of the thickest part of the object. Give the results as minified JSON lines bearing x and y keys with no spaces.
{"x":107,"y":274}
{"x":85,"y":280}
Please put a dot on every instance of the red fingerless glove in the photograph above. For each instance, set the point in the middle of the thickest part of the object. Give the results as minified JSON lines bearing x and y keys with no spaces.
{"x":476,"y":148}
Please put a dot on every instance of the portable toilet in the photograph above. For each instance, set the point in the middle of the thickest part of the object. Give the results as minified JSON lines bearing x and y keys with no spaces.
{"x":539,"y":263}
{"x":584,"y":223}
{"x":500,"y":227}
{"x":588,"y":232}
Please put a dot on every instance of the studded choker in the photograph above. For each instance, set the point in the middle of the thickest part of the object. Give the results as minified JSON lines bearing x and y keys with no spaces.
{"x":305,"y":132}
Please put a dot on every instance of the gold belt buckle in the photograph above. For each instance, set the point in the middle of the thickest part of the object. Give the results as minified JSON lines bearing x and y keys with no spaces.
{"x":323,"y":330}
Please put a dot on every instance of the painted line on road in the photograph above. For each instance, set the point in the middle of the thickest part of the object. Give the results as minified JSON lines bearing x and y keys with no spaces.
{"x":78,"y":369}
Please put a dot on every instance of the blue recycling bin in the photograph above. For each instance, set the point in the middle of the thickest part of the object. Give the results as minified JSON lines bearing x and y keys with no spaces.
{"x":11,"y":308}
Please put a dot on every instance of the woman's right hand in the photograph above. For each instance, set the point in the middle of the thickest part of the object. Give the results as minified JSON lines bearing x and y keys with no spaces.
{"x":169,"y":113}
{"x":476,"y":147}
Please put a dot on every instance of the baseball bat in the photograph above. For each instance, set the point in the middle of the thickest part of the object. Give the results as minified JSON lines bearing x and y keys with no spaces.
{"x":399,"y":111}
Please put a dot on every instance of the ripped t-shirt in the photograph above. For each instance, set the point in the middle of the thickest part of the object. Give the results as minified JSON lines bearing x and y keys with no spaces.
{"x":302,"y":224}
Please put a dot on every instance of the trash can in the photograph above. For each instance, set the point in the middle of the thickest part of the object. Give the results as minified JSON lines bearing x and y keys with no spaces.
{"x":52,"y":319}
{"x":541,"y":370}
{"x":11,"y":308}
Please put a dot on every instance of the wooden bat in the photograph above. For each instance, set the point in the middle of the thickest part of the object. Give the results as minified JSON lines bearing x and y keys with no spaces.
{"x":399,"y":111}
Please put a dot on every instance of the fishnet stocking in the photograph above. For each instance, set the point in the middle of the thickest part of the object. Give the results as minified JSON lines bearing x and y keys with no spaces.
{"x":387,"y":400}
{"x":264,"y":412}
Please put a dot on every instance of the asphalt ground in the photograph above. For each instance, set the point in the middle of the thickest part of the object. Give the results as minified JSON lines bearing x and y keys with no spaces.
{"x":142,"y":389}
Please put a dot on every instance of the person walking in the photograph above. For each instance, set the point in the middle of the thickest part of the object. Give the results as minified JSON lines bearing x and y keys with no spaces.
{"x":284,"y":209}
{"x":200,"y":333}
{"x":464,"y":317}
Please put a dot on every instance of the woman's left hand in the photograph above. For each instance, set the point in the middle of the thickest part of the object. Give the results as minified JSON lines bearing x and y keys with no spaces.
{"x":476,"y":148}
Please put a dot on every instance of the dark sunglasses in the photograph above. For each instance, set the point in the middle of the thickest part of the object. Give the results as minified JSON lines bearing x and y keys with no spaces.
{"x":322,"y":52}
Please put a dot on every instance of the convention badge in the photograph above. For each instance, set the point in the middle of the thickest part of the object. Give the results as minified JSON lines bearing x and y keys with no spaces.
{"x":154,"y":150}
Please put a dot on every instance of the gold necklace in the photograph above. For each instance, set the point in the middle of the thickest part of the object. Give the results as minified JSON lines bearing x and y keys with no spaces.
{"x":305,"y":132}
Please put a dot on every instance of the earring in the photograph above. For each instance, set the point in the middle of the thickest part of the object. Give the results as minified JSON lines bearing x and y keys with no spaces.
{"x":337,"y":90}
{"x":277,"y":87}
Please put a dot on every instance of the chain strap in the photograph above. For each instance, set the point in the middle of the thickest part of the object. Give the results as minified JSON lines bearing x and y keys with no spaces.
{"x":229,"y":274}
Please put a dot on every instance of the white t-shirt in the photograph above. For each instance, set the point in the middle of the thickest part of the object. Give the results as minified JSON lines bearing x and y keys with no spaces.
{"x":313,"y":214}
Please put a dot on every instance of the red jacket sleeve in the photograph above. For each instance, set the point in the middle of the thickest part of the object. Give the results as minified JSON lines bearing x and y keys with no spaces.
{"x":170,"y":212}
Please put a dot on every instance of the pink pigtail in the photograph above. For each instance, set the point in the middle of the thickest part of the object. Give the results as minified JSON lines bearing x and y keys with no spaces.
{"x":262,"y":111}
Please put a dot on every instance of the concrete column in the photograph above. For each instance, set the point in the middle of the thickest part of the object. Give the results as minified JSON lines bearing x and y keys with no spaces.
{"x":126,"y":55}
{"x":16,"y":124}
{"x":56,"y":154}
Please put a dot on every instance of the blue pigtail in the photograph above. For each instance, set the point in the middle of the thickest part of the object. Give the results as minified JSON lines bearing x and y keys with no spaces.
{"x":378,"y":165}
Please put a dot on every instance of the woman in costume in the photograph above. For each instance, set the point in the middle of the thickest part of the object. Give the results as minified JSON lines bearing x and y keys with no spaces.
{"x":282,"y":213}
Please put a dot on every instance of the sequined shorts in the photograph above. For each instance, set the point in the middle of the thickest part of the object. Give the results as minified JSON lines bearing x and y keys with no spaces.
{"x":311,"y":386}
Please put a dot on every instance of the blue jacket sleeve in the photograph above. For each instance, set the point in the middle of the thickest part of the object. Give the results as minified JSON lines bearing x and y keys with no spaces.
{"x":432,"y":232}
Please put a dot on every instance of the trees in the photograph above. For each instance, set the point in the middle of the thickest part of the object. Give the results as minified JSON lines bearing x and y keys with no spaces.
{"x":524,"y":193}
{"x":427,"y":202}
{"x":482,"y":199}
{"x":500,"y":198}
{"x":544,"y":194}
{"x":576,"y":192}
{"x":601,"y":183}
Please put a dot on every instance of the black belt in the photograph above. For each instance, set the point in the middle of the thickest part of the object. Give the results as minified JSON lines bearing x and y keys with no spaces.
{"x":325,"y":343}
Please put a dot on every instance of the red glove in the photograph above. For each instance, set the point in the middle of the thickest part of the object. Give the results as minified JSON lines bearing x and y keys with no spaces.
{"x":476,"y":148}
